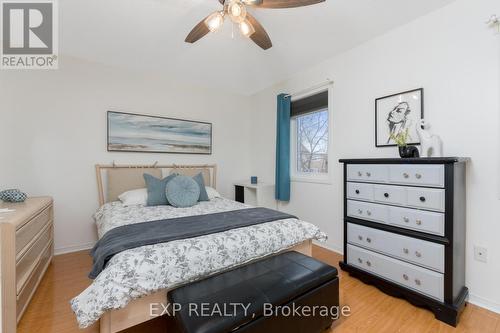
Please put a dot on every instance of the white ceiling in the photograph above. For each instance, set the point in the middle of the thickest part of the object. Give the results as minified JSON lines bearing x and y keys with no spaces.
{"x":148,"y":35}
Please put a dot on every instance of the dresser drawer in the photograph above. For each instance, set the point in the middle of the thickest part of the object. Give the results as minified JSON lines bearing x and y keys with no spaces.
{"x":426,"y":198}
{"x":417,"y":278}
{"x":368,"y":211}
{"x":360,"y":191}
{"x":367,"y":173}
{"x":27,"y":263}
{"x":26,"y":233}
{"x":420,"y":252}
{"x":416,"y":197}
{"x":419,"y":175}
{"x":419,"y":220}
{"x":34,"y":279}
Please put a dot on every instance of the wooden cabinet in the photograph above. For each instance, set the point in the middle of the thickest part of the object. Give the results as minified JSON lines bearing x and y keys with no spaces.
{"x":404,"y":229}
{"x":26,"y":250}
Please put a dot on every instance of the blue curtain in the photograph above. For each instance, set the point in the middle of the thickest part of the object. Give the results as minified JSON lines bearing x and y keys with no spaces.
{"x":283,"y":149}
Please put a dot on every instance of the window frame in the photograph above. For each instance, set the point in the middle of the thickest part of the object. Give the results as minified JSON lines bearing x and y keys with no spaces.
{"x":303,"y":177}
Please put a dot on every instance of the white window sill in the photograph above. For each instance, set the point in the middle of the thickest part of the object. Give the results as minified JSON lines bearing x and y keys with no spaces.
{"x":312,"y":180}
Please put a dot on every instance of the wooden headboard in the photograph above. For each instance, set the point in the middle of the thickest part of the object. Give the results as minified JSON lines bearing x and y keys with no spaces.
{"x":112,"y":180}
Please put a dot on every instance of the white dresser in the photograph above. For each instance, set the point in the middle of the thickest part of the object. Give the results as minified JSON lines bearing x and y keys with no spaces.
{"x":26,"y":250}
{"x":404,"y":229}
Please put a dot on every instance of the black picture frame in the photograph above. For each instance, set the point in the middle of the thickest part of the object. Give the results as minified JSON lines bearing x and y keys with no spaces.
{"x":109,"y":144}
{"x":415,"y":141}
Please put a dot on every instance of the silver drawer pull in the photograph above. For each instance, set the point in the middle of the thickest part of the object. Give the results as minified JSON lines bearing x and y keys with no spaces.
{"x":418,"y":254}
{"x":418,"y":222}
{"x":406,"y":251}
{"x":418,"y":176}
{"x":368,"y":174}
{"x":360,"y":211}
{"x":405,"y":277}
{"x":368,"y":213}
{"x":368,"y":264}
{"x":360,"y":261}
{"x":418,"y":282}
{"x":406,"y":219}
{"x":406,"y":175}
{"x":360,"y":237}
{"x":369,"y":240}
{"x":360,"y":174}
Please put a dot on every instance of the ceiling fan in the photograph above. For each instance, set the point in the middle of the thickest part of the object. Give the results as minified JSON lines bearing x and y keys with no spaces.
{"x":249,"y":27}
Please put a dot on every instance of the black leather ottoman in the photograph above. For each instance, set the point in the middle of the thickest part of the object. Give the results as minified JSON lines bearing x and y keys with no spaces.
{"x":286,"y":293}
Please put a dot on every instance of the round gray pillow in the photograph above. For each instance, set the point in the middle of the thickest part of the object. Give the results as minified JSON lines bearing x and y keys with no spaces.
{"x":182,"y":192}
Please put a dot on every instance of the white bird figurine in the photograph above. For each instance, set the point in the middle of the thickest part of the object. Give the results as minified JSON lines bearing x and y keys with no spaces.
{"x":431,"y":144}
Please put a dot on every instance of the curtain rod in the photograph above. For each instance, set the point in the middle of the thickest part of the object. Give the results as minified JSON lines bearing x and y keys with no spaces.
{"x":328,"y":82}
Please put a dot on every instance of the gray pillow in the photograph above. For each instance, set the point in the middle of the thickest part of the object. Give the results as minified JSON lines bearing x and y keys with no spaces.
{"x":182,"y":192}
{"x":156,"y":189}
{"x":201,"y":183}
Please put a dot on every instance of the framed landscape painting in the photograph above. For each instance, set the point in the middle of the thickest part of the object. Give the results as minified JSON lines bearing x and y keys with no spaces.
{"x":397,"y":113}
{"x":128,"y":132}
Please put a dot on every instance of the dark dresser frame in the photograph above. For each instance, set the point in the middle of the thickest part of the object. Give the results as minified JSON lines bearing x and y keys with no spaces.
{"x":455,"y":292}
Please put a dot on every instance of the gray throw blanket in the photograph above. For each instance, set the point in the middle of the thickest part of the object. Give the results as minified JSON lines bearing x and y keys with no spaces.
{"x":149,"y":233}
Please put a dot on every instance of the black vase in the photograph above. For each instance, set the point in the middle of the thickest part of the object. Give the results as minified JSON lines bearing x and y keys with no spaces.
{"x":408,"y":152}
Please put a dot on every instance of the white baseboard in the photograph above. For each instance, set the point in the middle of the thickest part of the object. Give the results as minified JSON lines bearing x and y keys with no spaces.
{"x":75,"y":248}
{"x":484,"y":303}
{"x":330,"y":248}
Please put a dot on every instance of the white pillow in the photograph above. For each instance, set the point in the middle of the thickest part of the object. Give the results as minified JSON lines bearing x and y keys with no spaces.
{"x":212,"y":193}
{"x":134,"y":197}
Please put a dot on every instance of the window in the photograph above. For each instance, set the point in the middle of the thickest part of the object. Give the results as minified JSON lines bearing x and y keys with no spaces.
{"x":312,"y":142}
{"x":310,"y":137}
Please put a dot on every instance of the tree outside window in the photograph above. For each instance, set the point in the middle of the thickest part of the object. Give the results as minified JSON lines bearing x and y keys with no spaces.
{"x":312,"y":142}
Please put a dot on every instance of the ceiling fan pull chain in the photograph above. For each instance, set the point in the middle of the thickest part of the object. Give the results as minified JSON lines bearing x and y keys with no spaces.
{"x":232,"y":30}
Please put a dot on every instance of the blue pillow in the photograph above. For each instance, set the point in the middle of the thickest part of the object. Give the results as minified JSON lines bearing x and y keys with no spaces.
{"x":203,"y":191}
{"x":182,"y":192}
{"x":156,"y":189}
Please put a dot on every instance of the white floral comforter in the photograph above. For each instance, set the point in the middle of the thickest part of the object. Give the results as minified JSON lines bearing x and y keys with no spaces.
{"x":145,"y":270}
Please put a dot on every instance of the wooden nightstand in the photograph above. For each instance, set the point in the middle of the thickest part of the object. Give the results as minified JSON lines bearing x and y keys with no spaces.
{"x":26,"y":250}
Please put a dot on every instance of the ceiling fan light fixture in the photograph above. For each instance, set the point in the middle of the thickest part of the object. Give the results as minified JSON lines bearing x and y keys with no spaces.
{"x":214,"y":21}
{"x":247,"y":29}
{"x":236,"y":11}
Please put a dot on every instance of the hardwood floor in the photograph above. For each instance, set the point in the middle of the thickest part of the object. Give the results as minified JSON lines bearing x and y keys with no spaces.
{"x":371,"y":310}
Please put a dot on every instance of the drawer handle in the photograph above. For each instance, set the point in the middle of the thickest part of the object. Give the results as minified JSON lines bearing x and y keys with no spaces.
{"x":418,"y":254}
{"x":386,"y":195}
{"x":368,"y":174}
{"x":369,"y":213}
{"x":360,"y":211}
{"x":368,"y":263}
{"x":418,"y":282}
{"x":405,"y":277}
{"x":406,"y":219}
{"x":418,"y":222}
{"x":422,"y":199}
{"x":360,"y":174}
{"x":360,"y":237}
{"x":360,"y":261}
{"x":369,"y":240}
{"x":357,"y":191}
{"x":418,"y":176}
{"x":406,"y":175}
{"x":406,"y":251}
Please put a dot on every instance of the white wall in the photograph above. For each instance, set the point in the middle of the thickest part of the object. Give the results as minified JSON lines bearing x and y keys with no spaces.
{"x":455,"y":57}
{"x":53,"y":132}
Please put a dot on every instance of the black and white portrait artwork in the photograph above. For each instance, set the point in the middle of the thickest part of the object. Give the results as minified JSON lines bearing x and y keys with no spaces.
{"x":396,"y":114}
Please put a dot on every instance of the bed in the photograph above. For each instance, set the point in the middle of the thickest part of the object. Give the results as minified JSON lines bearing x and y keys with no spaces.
{"x":121,"y":295}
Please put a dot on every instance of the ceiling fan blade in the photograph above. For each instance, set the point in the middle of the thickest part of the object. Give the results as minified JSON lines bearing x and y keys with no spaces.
{"x":198,"y":32}
{"x":286,"y":3}
{"x":260,"y":37}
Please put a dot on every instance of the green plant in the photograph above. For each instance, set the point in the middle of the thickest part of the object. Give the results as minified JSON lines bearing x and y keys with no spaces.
{"x":401,"y":138}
